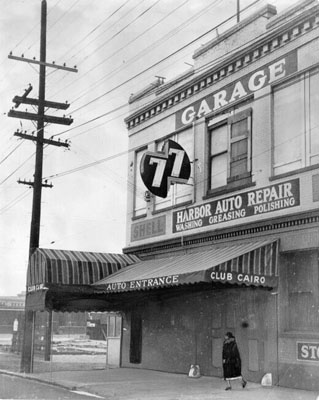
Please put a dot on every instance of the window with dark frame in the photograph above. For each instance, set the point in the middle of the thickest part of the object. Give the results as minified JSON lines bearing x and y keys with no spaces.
{"x":230,"y":151}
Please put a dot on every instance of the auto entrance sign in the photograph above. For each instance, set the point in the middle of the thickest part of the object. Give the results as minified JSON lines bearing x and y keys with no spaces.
{"x":254,"y":202}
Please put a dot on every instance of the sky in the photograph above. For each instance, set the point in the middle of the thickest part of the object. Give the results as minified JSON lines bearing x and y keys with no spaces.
{"x":117,"y":47}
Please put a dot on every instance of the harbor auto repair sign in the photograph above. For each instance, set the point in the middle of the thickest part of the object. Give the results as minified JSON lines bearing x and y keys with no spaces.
{"x":238,"y":90}
{"x":254,"y":202}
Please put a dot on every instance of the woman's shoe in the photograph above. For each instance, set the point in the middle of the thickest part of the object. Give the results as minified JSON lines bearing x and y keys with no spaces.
{"x":244,"y":384}
{"x":228,"y":388}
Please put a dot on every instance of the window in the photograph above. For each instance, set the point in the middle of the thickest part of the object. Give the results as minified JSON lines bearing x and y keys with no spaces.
{"x":230,"y":150}
{"x":303,"y":299}
{"x":178,"y":193}
{"x":139,"y":187}
{"x":296,"y":124}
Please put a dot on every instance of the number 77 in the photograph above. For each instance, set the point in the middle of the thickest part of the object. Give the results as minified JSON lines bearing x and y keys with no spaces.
{"x":161,"y":164}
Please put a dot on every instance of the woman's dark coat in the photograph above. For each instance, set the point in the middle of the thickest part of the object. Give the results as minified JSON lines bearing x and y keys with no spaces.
{"x":231,"y":359}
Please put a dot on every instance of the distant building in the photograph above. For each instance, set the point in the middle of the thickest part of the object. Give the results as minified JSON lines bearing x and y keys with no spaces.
{"x":11,"y":308}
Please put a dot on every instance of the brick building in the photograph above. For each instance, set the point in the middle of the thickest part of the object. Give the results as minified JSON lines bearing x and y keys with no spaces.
{"x":236,"y":248}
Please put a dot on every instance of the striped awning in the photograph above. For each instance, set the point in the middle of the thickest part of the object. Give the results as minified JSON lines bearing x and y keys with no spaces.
{"x":253,"y":263}
{"x":65,"y":267}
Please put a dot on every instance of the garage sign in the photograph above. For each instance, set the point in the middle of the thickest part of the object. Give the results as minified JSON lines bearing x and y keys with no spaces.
{"x":238,"y":90}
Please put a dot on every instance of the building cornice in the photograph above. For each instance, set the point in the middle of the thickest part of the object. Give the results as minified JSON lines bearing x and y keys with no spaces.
{"x":240,"y":232}
{"x":278,"y":37}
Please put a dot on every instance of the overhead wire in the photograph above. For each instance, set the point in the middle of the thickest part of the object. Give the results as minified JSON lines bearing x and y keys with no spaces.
{"x":137,"y":75}
{"x":15,"y":201}
{"x":152,"y":66}
{"x":109,"y":27}
{"x":143,"y":33}
{"x":0,"y":210}
{"x":11,"y":152}
{"x":118,"y":108}
{"x":80,"y":50}
{"x":136,"y":148}
{"x":198,"y":15}
{"x":130,"y":23}
{"x":17,"y":169}
{"x":121,"y":30}
{"x":165,"y":37}
{"x":29,"y":32}
{"x":155,"y":44}
{"x":92,"y":31}
{"x":62,"y":16}
{"x":148,"y":29}
{"x":100,"y":24}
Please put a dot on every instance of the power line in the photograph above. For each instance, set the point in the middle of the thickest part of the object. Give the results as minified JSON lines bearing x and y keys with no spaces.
{"x":87,"y":122}
{"x":15,"y":201}
{"x":124,"y":153}
{"x":139,"y":74}
{"x":31,"y":30}
{"x":205,"y":66}
{"x":98,"y":26}
{"x":94,"y":29}
{"x":148,"y":29}
{"x":11,"y":152}
{"x":138,"y":56}
{"x":121,"y":30}
{"x":65,"y":12}
{"x":120,"y":154}
{"x":109,"y":27}
{"x":63,"y":15}
{"x":92,"y":120}
{"x":164,"y":38}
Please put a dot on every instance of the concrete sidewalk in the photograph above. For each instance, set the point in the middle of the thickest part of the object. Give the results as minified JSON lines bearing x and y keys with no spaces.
{"x":137,"y":384}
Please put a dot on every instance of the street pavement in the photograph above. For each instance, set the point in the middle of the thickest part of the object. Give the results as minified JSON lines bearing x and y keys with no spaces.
{"x":13,"y":387}
{"x":139,"y":384}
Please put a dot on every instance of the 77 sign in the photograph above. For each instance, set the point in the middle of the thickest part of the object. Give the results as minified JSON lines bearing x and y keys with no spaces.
{"x":159,"y":170}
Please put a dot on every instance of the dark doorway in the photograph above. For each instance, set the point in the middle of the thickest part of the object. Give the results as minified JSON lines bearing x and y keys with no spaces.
{"x":136,"y":338}
{"x":250,"y":315}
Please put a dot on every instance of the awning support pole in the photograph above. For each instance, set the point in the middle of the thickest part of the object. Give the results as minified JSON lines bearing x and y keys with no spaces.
{"x":28,"y":342}
{"x":48,"y":336}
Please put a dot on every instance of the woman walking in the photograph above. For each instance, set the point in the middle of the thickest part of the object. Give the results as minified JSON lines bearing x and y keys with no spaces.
{"x":231,"y":361}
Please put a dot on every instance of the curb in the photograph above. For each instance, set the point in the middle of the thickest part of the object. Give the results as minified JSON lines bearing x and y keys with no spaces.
{"x":36,"y":379}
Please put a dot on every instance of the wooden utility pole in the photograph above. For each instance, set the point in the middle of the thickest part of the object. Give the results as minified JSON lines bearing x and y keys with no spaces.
{"x":41,"y":118}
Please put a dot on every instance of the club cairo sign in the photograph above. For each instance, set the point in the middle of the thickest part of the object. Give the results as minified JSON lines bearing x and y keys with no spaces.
{"x":237,"y":90}
{"x":255,"y":202}
{"x":209,"y":275}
